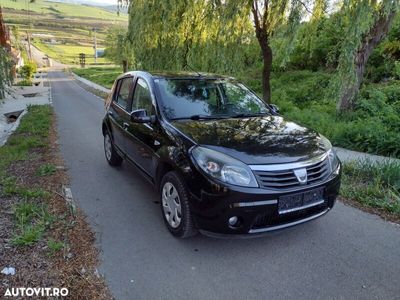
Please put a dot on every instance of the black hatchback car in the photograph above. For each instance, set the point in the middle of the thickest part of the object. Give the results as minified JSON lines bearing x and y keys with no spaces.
{"x":224,"y":162}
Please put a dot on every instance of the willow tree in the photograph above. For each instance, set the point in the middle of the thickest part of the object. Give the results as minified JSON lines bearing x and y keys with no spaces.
{"x":5,"y":59}
{"x":367,"y":22}
{"x":5,"y":71}
{"x":117,"y":47}
{"x":211,"y":35}
{"x":268,"y":16}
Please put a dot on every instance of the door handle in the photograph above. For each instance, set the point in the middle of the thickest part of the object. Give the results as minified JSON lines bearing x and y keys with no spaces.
{"x":126,"y":125}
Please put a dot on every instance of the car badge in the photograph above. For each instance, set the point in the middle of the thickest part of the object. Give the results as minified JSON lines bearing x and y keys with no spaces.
{"x":301,"y":175}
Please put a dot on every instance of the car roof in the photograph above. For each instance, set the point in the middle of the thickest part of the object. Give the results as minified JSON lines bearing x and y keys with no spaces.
{"x":174,"y":75}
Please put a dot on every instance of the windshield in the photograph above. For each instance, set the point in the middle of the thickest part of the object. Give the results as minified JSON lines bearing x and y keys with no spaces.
{"x":207,"y":98}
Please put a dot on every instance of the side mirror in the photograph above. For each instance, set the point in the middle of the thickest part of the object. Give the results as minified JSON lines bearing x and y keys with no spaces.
{"x":140,"y":116}
{"x":274,"y":108}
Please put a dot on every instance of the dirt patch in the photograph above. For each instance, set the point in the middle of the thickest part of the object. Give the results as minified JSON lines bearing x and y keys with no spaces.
{"x":73,"y":266}
{"x":376,"y":211}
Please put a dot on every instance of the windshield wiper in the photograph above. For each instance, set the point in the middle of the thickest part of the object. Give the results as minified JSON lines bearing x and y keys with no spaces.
{"x":200,"y":117}
{"x":247,"y":115}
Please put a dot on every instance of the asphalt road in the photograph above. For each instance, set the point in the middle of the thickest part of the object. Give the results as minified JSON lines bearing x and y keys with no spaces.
{"x":347,"y":254}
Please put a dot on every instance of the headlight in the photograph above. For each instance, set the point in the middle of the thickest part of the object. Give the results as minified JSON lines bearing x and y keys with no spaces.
{"x":332,"y":157}
{"x":223,"y":167}
{"x":325,"y":143}
{"x":333,"y":160}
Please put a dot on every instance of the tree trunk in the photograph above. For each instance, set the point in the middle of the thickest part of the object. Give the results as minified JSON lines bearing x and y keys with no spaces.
{"x":375,"y":35}
{"x":261,"y":26}
{"x":125,"y":65}
{"x":266,"y":51}
{"x":266,"y":73}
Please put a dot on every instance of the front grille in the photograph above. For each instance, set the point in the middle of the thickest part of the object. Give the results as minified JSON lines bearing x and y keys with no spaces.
{"x":286,"y":179}
{"x":274,"y":219}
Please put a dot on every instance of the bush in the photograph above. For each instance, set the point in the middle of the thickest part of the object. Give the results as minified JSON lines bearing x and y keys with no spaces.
{"x":302,"y":88}
{"x":28,"y":70}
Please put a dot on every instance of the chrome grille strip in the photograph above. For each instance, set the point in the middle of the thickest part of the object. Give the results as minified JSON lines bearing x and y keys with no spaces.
{"x":289,"y":166}
{"x":260,"y":230}
{"x":301,"y":207}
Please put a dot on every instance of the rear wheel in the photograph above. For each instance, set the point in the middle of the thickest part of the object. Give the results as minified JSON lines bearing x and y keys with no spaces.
{"x":112,"y":157}
{"x":175,"y":206}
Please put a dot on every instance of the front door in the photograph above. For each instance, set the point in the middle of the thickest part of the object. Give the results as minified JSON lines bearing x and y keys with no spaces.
{"x":118,"y":113}
{"x":141,"y":142}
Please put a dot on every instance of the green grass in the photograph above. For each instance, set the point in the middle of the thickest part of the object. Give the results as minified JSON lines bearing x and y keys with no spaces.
{"x":28,"y":235}
{"x":46,"y":170}
{"x":103,"y":76}
{"x":373,"y":185}
{"x":31,"y":221}
{"x":69,"y":54}
{"x":31,"y":217}
{"x":54,"y":246}
{"x":10,"y":188}
{"x":62,"y":10}
{"x":32,"y":133}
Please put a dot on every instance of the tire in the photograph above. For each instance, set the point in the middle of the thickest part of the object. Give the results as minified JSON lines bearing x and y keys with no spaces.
{"x":174,"y":198}
{"x":112,"y":157}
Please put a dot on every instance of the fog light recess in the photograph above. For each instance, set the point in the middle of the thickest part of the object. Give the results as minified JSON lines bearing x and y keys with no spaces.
{"x":234,"y":222}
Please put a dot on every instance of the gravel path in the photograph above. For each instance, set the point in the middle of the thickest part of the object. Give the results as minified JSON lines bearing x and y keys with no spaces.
{"x":346,"y":155}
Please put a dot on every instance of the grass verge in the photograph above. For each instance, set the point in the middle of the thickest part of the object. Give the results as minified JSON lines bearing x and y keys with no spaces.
{"x":101,"y":76}
{"x":40,"y":236}
{"x":373,"y":187}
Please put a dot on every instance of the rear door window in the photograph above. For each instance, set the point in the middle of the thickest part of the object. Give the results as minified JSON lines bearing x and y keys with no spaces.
{"x":122,"y":96}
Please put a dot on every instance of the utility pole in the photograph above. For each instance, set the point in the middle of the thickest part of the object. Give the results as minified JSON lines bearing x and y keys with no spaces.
{"x":28,"y":37}
{"x":29,"y":45}
{"x":95,"y":46}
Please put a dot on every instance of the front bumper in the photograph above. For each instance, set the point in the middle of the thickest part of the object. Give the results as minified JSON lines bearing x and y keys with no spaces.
{"x":257,"y":209}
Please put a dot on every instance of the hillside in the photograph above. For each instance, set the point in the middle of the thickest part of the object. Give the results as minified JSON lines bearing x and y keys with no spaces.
{"x":63,"y":10}
{"x":62,"y":30}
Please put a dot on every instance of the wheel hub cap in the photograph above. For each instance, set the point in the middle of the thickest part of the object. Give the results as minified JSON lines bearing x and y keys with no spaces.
{"x":171,"y":205}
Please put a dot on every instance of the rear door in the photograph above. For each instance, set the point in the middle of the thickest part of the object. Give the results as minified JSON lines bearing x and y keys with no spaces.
{"x":141,"y":143}
{"x":118,"y":111}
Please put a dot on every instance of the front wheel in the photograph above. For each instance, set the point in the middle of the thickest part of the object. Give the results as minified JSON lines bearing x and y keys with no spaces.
{"x":112,"y":157}
{"x":175,"y":206}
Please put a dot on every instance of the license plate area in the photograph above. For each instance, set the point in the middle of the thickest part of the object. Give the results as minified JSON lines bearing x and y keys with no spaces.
{"x":299,"y":201}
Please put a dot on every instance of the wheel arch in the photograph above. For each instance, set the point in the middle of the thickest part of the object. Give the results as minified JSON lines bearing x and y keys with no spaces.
{"x":163,"y":168}
{"x":105,"y":127}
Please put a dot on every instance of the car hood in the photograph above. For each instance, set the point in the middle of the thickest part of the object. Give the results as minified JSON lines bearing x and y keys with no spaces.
{"x":255,"y":140}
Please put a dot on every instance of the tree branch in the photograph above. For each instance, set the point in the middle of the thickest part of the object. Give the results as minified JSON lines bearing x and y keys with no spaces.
{"x":305,"y":7}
